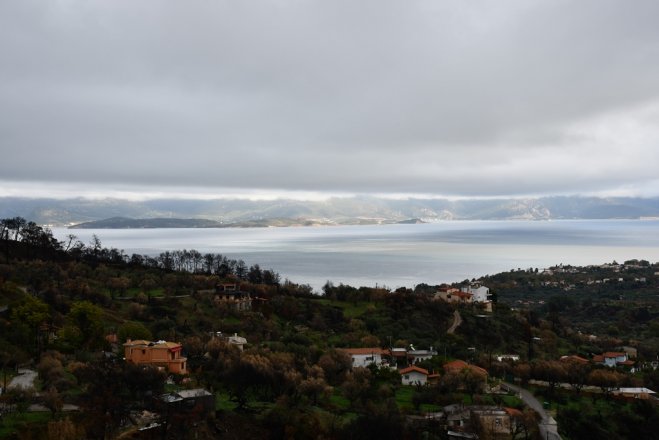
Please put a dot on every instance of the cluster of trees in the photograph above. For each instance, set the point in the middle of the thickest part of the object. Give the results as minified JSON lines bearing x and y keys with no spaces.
{"x":19,"y":229}
{"x":575,"y":373}
{"x":193,"y":261}
{"x":38,"y":240}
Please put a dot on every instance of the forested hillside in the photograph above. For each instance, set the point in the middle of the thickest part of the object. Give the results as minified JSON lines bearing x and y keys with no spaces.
{"x":67,"y":308}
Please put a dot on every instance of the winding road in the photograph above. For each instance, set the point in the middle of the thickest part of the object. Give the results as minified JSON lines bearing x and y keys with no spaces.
{"x":548,"y":426}
{"x":457,"y":320}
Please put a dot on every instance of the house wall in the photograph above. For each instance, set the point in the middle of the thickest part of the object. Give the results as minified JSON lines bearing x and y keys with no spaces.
{"x":610,"y":362}
{"x":364,"y":360}
{"x":496,"y":422}
{"x":480,"y":293}
{"x":613,"y":361}
{"x":414,"y":378}
{"x":417,"y":357}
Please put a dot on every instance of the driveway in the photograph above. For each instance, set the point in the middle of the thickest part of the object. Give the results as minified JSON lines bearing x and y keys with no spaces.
{"x":548,"y":426}
{"x":67,"y":407}
{"x":457,"y":320}
{"x":24,"y":379}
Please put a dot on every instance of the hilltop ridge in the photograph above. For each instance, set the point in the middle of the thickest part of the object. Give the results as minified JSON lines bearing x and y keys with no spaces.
{"x":337,"y":210}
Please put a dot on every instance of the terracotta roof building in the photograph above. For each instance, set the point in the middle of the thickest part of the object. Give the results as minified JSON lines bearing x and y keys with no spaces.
{"x":613,"y":359}
{"x":162,"y":354}
{"x":414,"y":375}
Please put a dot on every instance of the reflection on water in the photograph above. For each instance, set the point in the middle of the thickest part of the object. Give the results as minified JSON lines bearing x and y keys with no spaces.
{"x":402,"y":255}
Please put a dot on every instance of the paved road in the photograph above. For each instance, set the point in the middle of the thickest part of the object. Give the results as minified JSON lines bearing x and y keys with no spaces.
{"x":24,"y":379}
{"x":457,"y":320}
{"x":548,"y":426}
{"x":36,"y":407}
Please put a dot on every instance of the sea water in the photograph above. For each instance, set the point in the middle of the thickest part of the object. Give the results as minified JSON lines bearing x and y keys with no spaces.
{"x":401,"y":255}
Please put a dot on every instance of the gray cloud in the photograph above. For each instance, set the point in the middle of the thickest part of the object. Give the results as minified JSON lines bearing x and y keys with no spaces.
{"x":451,"y":97}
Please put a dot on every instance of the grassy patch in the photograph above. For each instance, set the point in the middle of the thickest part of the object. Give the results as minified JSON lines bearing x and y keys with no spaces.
{"x":512,"y":401}
{"x":156,"y":293}
{"x":12,"y":423}
{"x":404,"y":398}
{"x":350,"y":309}
{"x":231,"y":320}
{"x":222,"y":402}
{"x":339,"y":401}
{"x":430,"y":407}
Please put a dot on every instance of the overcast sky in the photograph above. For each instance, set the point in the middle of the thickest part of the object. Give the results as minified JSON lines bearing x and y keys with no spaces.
{"x":447,"y":98}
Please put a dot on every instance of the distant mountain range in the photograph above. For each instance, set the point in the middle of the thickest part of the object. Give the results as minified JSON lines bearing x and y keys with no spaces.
{"x":282,"y":212}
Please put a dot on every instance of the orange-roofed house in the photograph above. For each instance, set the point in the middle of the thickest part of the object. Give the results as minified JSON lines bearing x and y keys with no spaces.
{"x":613,"y":359}
{"x":363,"y":357}
{"x":165,"y":355}
{"x":414,"y":375}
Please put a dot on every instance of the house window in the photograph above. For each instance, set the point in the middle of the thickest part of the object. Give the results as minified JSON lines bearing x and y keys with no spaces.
{"x":497,"y":422}
{"x":407,"y":377}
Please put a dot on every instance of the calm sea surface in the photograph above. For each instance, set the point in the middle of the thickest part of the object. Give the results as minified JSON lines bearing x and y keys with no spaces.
{"x":402,"y":255}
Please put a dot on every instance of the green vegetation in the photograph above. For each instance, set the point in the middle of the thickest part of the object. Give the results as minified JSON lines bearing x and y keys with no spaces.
{"x":292,"y":380}
{"x":16,"y":422}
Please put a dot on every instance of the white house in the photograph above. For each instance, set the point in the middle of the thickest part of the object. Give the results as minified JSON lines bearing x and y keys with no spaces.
{"x":479,"y":293}
{"x":238,"y":341}
{"x":613,"y":359}
{"x":363,"y":357}
{"x":420,"y":355}
{"x":414,"y":376}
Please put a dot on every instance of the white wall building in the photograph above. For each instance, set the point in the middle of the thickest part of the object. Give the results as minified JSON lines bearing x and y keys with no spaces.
{"x":363,"y":357}
{"x":480,"y":293}
{"x":413,"y":376}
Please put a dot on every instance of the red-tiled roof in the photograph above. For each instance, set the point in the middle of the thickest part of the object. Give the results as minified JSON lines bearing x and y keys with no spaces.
{"x":513,"y":412}
{"x":613,"y":354}
{"x":574,"y":358}
{"x":598,"y":358}
{"x":478,"y":370}
{"x":414,"y":368}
